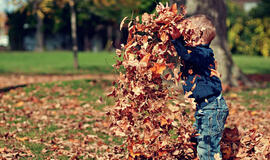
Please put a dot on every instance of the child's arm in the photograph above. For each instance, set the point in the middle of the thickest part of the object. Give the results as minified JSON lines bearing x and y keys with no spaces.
{"x":180,"y":48}
{"x":195,"y":56}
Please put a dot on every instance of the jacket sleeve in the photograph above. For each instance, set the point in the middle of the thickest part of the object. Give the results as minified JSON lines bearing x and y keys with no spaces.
{"x":180,"y":48}
{"x":197,"y":55}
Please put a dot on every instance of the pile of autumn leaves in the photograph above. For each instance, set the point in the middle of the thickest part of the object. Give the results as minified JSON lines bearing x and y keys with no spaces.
{"x":147,"y":113}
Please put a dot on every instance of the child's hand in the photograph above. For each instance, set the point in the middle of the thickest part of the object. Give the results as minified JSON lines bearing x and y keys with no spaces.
{"x":175,"y":33}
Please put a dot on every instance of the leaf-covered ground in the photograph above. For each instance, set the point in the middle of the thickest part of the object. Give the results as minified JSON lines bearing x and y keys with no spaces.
{"x":55,"y":120}
{"x":64,"y":120}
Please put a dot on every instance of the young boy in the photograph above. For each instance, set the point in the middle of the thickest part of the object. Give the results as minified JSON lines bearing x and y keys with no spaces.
{"x":202,"y":83}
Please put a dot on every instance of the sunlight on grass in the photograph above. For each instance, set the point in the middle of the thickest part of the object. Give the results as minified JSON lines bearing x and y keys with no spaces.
{"x":253,"y":64}
{"x":57,"y":62}
{"x":61,"y":62}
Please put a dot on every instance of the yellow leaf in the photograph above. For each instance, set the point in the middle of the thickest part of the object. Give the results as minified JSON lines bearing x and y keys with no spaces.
{"x":2,"y":149}
{"x":217,"y":156}
{"x":22,"y":138}
{"x":254,"y":113}
{"x":19,"y":104}
{"x":233,"y":95}
{"x":164,"y":37}
{"x":193,"y":87}
{"x":40,"y":14}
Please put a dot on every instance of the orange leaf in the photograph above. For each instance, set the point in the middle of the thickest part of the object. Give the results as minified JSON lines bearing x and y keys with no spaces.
{"x":190,"y":71}
{"x":174,"y":8}
{"x":145,"y":59}
{"x":215,"y":73}
{"x":193,"y":87}
{"x":158,"y":68}
{"x":160,"y":153}
{"x":131,"y":153}
{"x":163,"y":121}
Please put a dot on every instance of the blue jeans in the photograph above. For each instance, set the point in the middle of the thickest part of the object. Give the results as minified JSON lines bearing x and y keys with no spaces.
{"x":209,"y":123}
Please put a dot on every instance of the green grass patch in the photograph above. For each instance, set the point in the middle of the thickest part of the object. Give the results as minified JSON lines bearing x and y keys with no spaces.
{"x":36,"y":148}
{"x":84,"y":90}
{"x":61,"y":62}
{"x":63,"y":158}
{"x":52,"y":128}
{"x":253,"y":64}
{"x":56,"y":62}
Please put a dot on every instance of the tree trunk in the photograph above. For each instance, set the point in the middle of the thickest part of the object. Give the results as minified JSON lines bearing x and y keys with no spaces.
{"x":117,"y":42}
{"x":74,"y":33}
{"x":108,"y":46}
{"x":216,"y":11}
{"x":86,"y":42}
{"x":39,"y":32}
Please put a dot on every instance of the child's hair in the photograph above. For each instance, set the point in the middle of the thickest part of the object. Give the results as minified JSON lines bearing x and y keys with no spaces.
{"x":202,"y":24}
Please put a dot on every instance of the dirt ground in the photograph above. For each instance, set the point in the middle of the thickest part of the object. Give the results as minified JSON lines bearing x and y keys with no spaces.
{"x":19,"y":80}
{"x":14,"y":80}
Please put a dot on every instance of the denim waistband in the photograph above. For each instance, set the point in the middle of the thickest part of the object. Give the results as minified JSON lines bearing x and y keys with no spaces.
{"x":212,"y":99}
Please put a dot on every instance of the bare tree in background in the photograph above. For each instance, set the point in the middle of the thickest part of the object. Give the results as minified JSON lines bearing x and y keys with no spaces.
{"x":39,"y":32}
{"x":216,"y":11}
{"x":73,"y":21}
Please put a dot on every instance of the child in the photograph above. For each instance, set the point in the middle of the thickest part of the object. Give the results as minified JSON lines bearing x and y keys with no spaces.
{"x":202,"y":84}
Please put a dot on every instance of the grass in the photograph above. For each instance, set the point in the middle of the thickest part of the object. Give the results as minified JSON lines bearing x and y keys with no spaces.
{"x":57,"y":62}
{"x":61,"y":62}
{"x":253,"y":64}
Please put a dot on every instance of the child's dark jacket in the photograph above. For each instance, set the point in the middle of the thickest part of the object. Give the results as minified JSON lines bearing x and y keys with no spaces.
{"x":196,"y":72}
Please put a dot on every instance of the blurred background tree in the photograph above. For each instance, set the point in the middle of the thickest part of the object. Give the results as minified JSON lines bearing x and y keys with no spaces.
{"x":249,"y":32}
{"x":37,"y":9}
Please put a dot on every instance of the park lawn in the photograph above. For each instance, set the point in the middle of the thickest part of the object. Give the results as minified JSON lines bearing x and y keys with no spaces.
{"x":56,"y":62}
{"x":253,"y":64}
{"x":61,"y":62}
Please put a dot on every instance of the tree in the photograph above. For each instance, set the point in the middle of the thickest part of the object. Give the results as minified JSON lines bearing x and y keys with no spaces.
{"x":42,"y":7}
{"x":216,"y":11}
{"x":73,"y":21}
{"x":262,"y":10}
{"x":38,"y":8}
{"x":114,"y":11}
{"x":16,"y":31}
